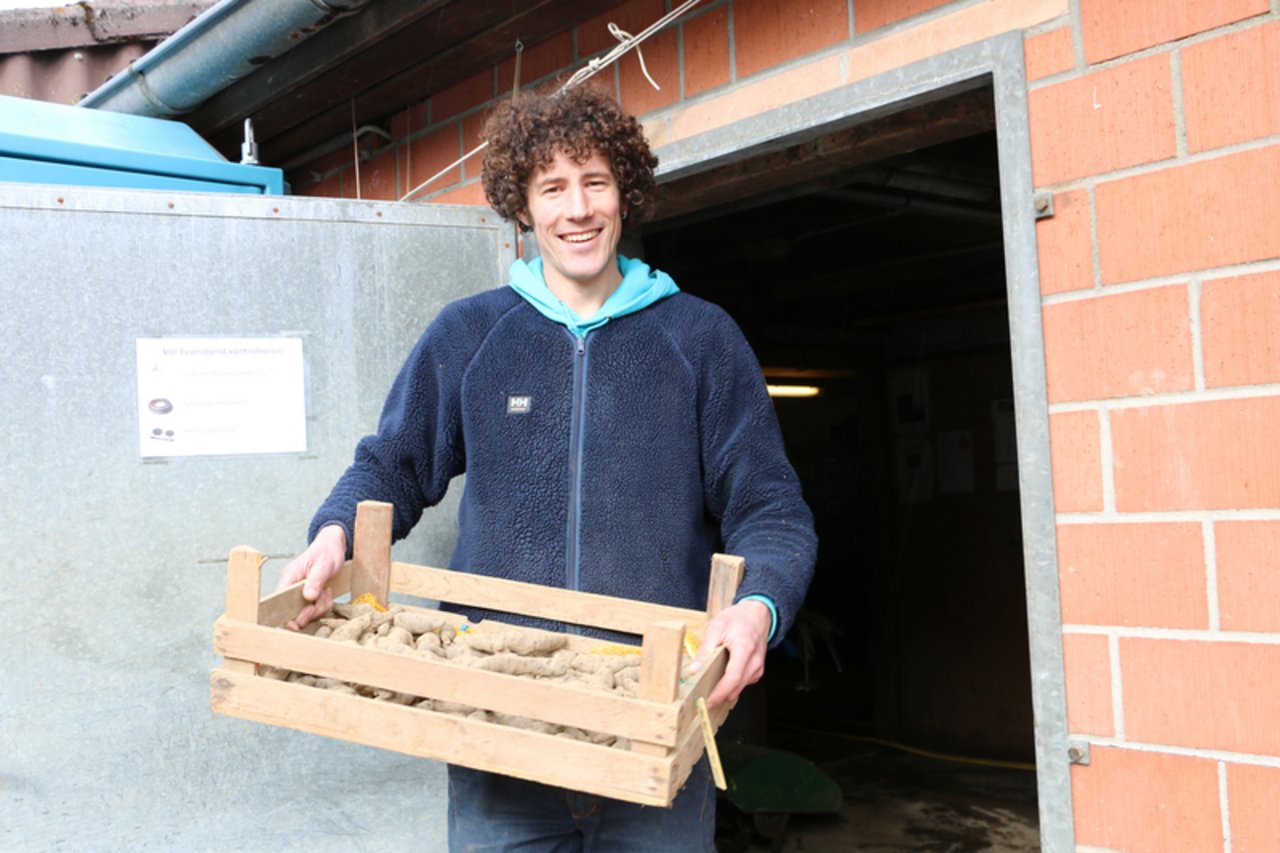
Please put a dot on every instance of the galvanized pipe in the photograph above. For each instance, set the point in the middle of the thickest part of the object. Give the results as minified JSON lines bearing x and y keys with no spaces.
{"x":225,"y":43}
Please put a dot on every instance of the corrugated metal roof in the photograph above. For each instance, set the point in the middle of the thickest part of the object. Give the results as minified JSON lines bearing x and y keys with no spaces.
{"x":94,"y":23}
{"x":65,"y":76}
{"x":61,"y":53}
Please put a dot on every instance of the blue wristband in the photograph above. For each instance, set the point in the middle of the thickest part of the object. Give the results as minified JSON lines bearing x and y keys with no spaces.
{"x":773,"y":611}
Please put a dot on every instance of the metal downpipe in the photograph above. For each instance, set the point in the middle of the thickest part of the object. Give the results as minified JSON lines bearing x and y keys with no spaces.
{"x":225,"y":43}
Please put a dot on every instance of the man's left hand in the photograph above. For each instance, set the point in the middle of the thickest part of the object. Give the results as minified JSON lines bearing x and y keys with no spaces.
{"x":743,"y":630}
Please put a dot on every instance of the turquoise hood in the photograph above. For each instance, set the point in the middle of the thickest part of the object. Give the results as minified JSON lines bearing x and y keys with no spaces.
{"x":640,"y":288}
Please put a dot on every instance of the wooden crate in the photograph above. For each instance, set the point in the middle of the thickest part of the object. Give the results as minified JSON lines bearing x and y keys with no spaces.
{"x":661,"y":723}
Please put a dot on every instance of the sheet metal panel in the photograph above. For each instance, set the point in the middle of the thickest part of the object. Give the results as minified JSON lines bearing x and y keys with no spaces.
{"x":116,"y":566}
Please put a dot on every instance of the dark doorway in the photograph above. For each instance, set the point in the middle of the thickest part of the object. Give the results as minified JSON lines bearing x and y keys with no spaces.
{"x":869,"y":264}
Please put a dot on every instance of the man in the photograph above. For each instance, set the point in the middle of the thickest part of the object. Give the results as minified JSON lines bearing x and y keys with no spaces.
{"x":614,"y":432}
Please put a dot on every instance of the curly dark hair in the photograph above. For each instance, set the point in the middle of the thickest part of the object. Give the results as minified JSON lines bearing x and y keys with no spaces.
{"x":525,"y":135}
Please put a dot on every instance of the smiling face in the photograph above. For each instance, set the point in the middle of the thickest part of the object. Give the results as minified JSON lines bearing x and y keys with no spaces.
{"x":576,"y":215}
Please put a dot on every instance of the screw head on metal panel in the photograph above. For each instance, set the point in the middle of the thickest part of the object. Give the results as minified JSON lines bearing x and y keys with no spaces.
{"x":1078,"y":753}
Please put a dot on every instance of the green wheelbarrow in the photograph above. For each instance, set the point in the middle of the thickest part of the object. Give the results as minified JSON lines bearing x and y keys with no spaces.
{"x":764,"y":788}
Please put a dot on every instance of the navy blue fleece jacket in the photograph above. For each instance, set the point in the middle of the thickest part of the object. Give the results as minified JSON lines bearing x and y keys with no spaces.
{"x":610,"y":462}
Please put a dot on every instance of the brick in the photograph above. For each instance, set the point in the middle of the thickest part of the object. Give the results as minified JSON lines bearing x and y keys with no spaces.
{"x":930,"y":37}
{"x":1106,"y":120}
{"x":1227,"y":98}
{"x":1088,"y":667}
{"x":537,"y":61}
{"x":1146,"y":802}
{"x":472,"y":136}
{"x":871,"y":15}
{"x":1240,"y":330}
{"x":461,"y":97}
{"x":769,"y":32}
{"x":745,"y":100}
{"x":409,"y":121}
{"x":1075,"y":448}
{"x":1107,"y":573}
{"x":428,"y":154}
{"x":706,"y":51}
{"x":661,"y":57}
{"x":1065,"y":242}
{"x":1119,"y":345}
{"x":1049,"y":53}
{"x":1248,"y":558}
{"x":1252,"y":794}
{"x":330,"y":187}
{"x":1220,"y":454}
{"x":1112,"y":29}
{"x":633,"y":17}
{"x":1210,"y":213}
{"x":378,"y":177}
{"x":1223,"y":696}
{"x":471,"y":193}
{"x":334,"y":160}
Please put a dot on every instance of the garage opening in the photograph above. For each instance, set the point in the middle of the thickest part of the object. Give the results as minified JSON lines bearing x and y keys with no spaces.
{"x":866,"y":266}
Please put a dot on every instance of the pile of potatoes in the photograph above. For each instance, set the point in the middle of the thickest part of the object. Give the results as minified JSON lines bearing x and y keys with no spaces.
{"x":523,"y":652}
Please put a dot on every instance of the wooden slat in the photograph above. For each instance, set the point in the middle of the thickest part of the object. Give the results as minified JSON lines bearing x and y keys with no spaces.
{"x":691,"y":747}
{"x":660,"y":672}
{"x":704,"y":682}
{"x":562,"y":605}
{"x":471,"y":743}
{"x":562,"y":704}
{"x":279,"y":607}
{"x":371,"y":552}
{"x":244,"y":586}
{"x":726,"y":577}
{"x":660,"y":666}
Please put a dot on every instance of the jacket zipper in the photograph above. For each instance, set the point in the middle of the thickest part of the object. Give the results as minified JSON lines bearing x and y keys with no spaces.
{"x":576,"y":428}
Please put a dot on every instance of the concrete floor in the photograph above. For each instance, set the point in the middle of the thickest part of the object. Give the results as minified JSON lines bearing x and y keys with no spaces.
{"x":896,"y":801}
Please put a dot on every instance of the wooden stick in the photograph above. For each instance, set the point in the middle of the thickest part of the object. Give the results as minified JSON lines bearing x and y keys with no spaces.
{"x":371,"y":552}
{"x":244,"y":586}
{"x":660,"y":671}
{"x":279,"y":607}
{"x":726,"y":577}
{"x":709,"y":738}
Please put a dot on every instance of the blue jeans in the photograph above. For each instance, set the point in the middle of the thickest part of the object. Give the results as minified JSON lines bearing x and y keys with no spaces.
{"x":490,"y":812}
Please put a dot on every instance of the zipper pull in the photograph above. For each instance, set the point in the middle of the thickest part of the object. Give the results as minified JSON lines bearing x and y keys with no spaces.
{"x":582,"y":346}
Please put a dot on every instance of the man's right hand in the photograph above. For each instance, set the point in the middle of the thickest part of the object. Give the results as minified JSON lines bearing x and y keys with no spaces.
{"x":318,"y":564}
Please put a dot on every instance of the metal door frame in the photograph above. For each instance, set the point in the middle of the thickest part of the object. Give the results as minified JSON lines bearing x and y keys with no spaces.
{"x":995,"y":63}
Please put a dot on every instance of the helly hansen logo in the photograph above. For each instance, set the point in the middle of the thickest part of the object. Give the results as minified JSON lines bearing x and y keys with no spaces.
{"x":519,"y":404}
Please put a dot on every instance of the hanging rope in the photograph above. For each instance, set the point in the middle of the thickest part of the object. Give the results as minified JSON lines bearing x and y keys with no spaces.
{"x":626,"y":43}
{"x":355,"y":146}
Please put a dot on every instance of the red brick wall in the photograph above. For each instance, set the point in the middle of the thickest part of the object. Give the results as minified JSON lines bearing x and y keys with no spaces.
{"x":1156,"y":127}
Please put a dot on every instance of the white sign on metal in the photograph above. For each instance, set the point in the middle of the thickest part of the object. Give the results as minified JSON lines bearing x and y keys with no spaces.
{"x":220,"y":396}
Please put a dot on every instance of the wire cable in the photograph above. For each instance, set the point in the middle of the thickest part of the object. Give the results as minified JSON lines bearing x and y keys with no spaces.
{"x":626,"y":43}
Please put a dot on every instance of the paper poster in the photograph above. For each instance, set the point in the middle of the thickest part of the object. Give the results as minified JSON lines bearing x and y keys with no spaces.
{"x":220,"y":396}
{"x":955,"y":462}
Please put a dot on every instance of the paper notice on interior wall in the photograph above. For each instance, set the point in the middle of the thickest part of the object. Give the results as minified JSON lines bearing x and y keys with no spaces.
{"x":955,"y":462}
{"x":220,"y":396}
{"x":913,"y":466}
{"x":909,"y":400}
